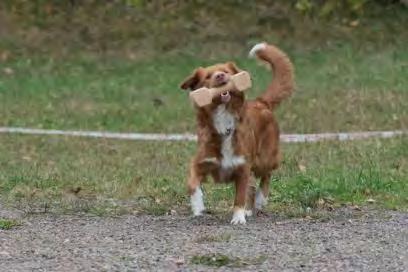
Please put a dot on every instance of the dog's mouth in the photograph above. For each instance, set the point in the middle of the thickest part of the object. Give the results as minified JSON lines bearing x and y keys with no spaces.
{"x":220,"y":83}
{"x":225,"y":97}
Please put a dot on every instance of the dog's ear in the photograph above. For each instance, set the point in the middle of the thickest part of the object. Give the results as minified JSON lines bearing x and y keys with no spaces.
{"x":192,"y":81}
{"x":234,"y":68}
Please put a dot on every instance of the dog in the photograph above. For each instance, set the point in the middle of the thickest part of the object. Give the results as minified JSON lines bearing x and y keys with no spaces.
{"x":238,"y":140}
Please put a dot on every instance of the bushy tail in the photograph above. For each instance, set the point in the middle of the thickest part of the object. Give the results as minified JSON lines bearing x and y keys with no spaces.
{"x":283,"y":83}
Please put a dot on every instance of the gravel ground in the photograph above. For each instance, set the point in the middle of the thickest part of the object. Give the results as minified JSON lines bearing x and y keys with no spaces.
{"x":345,"y":241}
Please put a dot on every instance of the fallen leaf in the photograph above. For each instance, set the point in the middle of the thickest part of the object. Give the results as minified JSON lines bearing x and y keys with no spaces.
{"x":177,"y":260}
{"x":180,"y":261}
{"x":354,"y":23}
{"x":320,"y":202}
{"x":131,"y":56}
{"x":173,"y":212}
{"x":4,"y":56}
{"x":355,"y":207}
{"x":302,"y":168}
{"x":8,"y":71}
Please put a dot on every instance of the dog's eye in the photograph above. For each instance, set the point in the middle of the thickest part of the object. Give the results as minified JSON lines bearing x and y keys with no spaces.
{"x":208,"y":76}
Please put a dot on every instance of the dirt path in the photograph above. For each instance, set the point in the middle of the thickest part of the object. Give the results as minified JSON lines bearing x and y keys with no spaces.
{"x":368,"y":241}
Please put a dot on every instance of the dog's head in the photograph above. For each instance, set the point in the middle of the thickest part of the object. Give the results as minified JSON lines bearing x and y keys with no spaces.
{"x":213,"y":76}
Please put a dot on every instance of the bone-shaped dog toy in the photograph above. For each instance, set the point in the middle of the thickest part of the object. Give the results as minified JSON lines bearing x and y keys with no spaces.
{"x":203,"y":96}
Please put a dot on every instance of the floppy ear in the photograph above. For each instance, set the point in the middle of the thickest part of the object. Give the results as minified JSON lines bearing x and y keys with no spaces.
{"x":192,"y":81}
{"x":234,"y":68}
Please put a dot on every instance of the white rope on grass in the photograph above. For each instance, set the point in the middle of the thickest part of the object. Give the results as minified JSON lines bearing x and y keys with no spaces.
{"x":287,"y":138}
{"x":102,"y":134}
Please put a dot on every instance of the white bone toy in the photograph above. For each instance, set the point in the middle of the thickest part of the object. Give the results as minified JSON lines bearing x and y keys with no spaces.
{"x":203,"y":96}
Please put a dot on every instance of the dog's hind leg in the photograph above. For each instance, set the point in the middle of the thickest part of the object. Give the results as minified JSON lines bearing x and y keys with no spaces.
{"x":262,"y":193}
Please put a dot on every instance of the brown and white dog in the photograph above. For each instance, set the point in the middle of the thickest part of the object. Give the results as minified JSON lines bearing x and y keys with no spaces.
{"x":238,"y":140}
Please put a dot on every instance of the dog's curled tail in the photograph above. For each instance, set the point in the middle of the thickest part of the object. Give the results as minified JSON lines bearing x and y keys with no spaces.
{"x":283,"y":84}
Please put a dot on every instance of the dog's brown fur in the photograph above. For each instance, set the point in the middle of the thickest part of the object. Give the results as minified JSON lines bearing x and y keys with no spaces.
{"x":256,"y":134}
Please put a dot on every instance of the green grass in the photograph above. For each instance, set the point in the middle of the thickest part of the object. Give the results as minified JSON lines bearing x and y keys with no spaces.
{"x":101,"y":176}
{"x":6,"y":224}
{"x":219,"y":260}
{"x":339,"y":88}
{"x":112,"y":78}
{"x":213,"y":238}
{"x":216,"y":260}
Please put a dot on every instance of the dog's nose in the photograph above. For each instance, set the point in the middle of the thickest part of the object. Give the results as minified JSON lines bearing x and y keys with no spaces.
{"x":220,"y":76}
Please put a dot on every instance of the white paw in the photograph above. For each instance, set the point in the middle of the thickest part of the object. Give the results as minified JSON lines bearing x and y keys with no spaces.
{"x":260,"y":200}
{"x":197,"y":202}
{"x":238,"y":217}
{"x":249,"y":213}
{"x":198,"y":212}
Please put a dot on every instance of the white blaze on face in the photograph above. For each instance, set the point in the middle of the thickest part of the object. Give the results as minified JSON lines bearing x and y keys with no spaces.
{"x":224,"y":122}
{"x":197,"y":202}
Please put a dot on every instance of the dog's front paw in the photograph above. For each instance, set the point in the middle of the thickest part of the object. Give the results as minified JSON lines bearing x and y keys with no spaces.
{"x":238,"y":217}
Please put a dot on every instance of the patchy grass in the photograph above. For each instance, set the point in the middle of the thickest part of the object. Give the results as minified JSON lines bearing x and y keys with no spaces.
{"x":103,"y":176}
{"x":213,"y":238}
{"x":340,"y":88}
{"x":6,"y":224}
{"x":219,"y":260}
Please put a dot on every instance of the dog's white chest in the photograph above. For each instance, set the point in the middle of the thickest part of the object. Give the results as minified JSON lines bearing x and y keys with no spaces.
{"x":224,"y":123}
{"x":223,"y":120}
